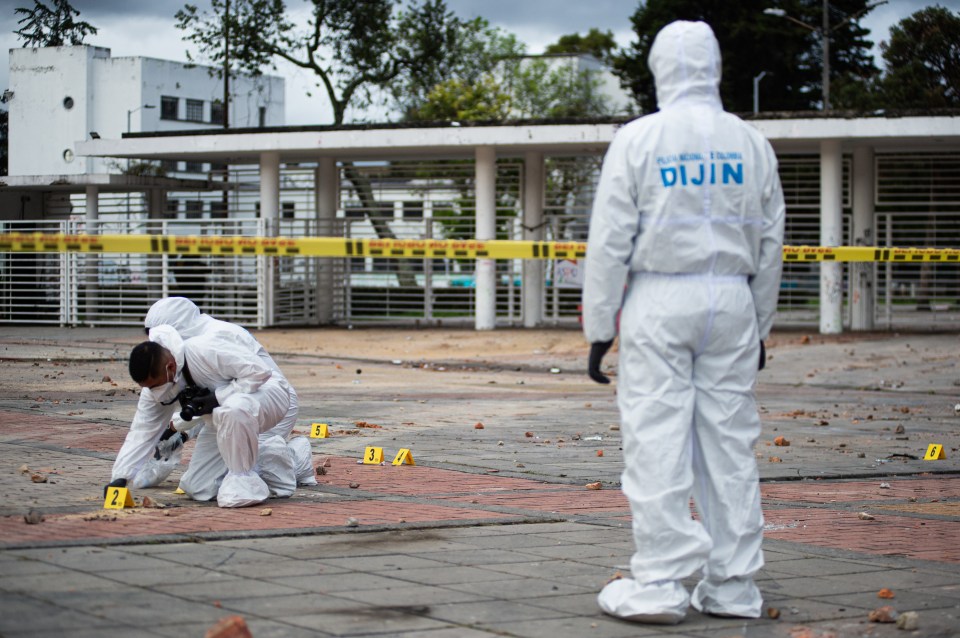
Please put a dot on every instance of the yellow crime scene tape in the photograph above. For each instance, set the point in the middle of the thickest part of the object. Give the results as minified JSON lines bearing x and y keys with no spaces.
{"x":400,"y":248}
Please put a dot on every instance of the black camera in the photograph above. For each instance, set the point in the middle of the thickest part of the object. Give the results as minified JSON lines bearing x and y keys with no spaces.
{"x":191,"y":403}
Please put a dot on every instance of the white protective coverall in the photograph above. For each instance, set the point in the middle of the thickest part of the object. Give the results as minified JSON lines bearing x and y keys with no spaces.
{"x":251,"y":401}
{"x":276,"y":451}
{"x":685,"y":243}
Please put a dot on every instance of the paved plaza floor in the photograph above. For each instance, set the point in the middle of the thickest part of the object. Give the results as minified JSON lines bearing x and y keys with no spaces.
{"x":493,"y":531}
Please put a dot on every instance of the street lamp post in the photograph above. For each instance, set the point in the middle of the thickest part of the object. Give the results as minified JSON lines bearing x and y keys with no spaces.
{"x":756,"y":91}
{"x":132,"y":111}
{"x":824,"y":32}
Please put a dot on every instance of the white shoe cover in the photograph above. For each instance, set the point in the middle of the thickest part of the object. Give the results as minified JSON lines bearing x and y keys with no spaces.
{"x":155,"y":471}
{"x":735,"y":598}
{"x":662,"y":603}
{"x":276,"y":466}
{"x":303,"y":460}
{"x":242,"y":490}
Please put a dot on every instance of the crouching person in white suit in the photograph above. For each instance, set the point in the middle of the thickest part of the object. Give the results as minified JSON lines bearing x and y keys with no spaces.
{"x":234,"y":394}
{"x":277,"y":449}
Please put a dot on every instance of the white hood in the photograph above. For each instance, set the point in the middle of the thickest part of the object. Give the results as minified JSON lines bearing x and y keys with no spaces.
{"x":179,"y":312}
{"x":167,"y":337}
{"x":685,"y":62}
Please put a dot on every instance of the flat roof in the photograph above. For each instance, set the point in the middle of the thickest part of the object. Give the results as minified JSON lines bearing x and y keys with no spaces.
{"x":787,"y":132}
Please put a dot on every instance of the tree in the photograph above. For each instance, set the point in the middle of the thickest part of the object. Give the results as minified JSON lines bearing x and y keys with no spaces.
{"x":52,"y":27}
{"x":752,"y":42}
{"x":599,"y":44}
{"x":922,"y":61}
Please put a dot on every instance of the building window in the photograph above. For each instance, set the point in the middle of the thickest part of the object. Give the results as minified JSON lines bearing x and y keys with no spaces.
{"x":173,"y":207}
{"x":169,"y":107}
{"x":413,"y":210}
{"x":216,"y":112}
{"x":193,"y":167}
{"x":218,"y":209}
{"x":169,"y":166}
{"x":289,"y":210}
{"x":262,"y":116}
{"x":194,"y":209}
{"x":194,"y":111}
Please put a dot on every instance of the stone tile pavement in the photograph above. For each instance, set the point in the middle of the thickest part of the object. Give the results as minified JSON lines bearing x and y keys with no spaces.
{"x":493,"y":531}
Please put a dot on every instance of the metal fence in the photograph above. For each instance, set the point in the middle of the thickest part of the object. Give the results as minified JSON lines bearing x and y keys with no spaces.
{"x":917,"y":204}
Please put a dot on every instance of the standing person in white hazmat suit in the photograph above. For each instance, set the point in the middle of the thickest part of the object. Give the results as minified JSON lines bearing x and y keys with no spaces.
{"x":276,"y":452}
{"x":685,"y":246}
{"x":229,"y":387}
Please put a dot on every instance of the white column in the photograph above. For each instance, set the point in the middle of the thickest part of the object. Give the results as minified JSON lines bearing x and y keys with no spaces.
{"x":270,"y":214}
{"x":831,"y":234}
{"x":325,"y":184}
{"x":270,"y":190}
{"x":486,"y":223}
{"x":91,"y":262}
{"x":533,"y":231}
{"x":863,"y":274}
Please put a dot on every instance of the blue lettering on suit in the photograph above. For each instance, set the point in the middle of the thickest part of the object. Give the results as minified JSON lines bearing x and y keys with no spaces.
{"x":697,"y":169}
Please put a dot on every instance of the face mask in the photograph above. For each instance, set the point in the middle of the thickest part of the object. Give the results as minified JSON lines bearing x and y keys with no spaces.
{"x":166,"y":393}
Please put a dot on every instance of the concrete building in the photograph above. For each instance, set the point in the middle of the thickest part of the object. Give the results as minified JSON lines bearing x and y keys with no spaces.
{"x":60,"y":95}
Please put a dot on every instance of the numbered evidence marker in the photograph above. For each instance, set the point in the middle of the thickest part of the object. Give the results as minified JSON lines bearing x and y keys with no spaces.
{"x":934,"y":453}
{"x":403,"y":457}
{"x":319,"y":431}
{"x":117,"y":498}
{"x":373,"y":456}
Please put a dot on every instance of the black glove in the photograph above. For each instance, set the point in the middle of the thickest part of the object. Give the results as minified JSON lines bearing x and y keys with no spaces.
{"x":597,"y":350}
{"x":120,"y":482}
{"x":170,"y":431}
{"x":203,"y":402}
{"x":763,"y":356}
{"x":170,"y":444}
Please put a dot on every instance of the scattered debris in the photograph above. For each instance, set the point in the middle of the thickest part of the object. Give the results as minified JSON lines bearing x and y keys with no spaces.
{"x":364,"y":424}
{"x":266,"y":511}
{"x":229,"y":627}
{"x":900,"y":429}
{"x":106,"y":379}
{"x":908,"y":621}
{"x":775,"y":459}
{"x":24,"y":469}
{"x":885,"y":614}
{"x":554,"y":370}
{"x":354,"y":485}
{"x":352,"y":522}
{"x":886,"y":593}
{"x":863,"y":516}
{"x":781,"y":441}
{"x":594,"y":486}
{"x":599,"y":452}
{"x":478,"y":426}
{"x":38,"y":478}
{"x":150,"y":503}
{"x":32,"y":517}
{"x":884,"y":486}
{"x":529,"y":435}
{"x":615,"y":428}
{"x":773,"y":613}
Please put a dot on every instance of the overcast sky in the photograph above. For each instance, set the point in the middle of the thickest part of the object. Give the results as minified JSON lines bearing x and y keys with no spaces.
{"x":146,"y":27}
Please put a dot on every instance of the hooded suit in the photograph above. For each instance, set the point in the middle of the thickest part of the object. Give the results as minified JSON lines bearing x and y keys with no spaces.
{"x":685,"y":245}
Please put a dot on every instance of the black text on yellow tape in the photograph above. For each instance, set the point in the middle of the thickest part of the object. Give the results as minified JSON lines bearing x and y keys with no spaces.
{"x":402,"y":248}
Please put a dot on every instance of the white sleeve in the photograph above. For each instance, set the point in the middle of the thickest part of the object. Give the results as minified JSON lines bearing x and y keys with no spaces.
{"x":247,"y":371}
{"x":765,"y":285}
{"x":148,"y":424}
{"x":614,"y":224}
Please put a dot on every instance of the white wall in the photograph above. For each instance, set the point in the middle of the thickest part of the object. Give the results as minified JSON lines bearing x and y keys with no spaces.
{"x":103,"y":91}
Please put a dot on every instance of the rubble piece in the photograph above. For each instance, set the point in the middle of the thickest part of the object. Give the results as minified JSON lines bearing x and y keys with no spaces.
{"x":229,"y":627}
{"x":150,"y":503}
{"x":352,"y":522}
{"x":908,"y":621}
{"x":266,"y":511}
{"x":38,"y":478}
{"x":863,"y":516}
{"x":775,"y":459}
{"x":599,"y":452}
{"x":354,"y":485}
{"x":106,"y":379}
{"x":478,"y":426}
{"x":529,"y":435}
{"x":594,"y":486}
{"x":886,"y":593}
{"x":32,"y":517}
{"x":885,"y":614}
{"x":773,"y":613}
{"x":24,"y":469}
{"x":900,"y":429}
{"x":781,"y":441}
